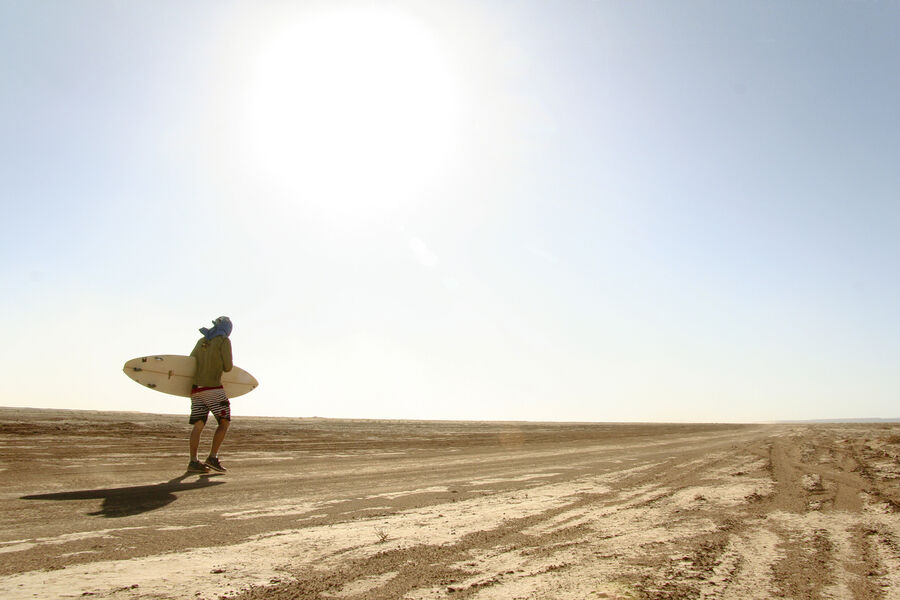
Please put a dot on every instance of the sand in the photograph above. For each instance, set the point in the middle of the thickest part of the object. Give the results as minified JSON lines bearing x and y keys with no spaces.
{"x":97,"y":505}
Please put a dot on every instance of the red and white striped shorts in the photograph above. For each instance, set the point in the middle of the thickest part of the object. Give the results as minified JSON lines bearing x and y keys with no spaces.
{"x":209,"y":400}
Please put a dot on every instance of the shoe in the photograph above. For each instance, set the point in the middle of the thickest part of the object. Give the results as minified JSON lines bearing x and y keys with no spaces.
{"x":195,"y":466}
{"x":214,"y":464}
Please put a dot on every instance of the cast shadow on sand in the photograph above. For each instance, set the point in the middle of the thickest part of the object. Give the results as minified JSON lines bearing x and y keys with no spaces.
{"x":127,"y":501}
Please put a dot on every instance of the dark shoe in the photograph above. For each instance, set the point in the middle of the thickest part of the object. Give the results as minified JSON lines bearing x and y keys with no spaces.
{"x":195,"y":466}
{"x":214,"y":464}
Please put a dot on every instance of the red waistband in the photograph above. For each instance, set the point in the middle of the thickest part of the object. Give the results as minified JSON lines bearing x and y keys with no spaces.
{"x":197,"y":390}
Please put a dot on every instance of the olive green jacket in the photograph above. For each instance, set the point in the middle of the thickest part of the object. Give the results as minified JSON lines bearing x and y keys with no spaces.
{"x":213,"y":357}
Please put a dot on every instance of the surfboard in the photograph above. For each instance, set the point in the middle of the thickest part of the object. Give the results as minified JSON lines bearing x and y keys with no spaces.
{"x":173,"y":374}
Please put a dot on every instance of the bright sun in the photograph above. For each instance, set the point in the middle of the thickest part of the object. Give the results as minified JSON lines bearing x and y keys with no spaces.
{"x":355,"y":110}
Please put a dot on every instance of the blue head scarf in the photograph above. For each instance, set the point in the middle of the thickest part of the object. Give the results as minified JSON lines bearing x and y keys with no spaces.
{"x":221,"y":327}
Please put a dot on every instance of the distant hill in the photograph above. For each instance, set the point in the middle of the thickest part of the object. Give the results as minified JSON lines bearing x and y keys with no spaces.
{"x":869,"y":420}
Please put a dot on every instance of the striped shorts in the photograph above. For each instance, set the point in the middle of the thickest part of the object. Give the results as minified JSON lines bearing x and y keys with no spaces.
{"x":206,"y":400}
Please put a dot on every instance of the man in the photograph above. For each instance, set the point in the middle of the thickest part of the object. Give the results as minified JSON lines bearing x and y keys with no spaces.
{"x":213,"y":354}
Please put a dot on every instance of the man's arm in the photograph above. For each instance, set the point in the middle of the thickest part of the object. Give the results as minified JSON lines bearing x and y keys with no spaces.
{"x":226,"y":355}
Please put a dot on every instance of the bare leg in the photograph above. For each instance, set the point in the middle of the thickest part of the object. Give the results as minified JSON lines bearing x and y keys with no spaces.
{"x":195,"y":438}
{"x":219,"y":436}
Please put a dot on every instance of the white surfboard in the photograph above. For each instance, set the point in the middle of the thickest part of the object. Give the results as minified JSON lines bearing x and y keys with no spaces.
{"x":173,"y":374}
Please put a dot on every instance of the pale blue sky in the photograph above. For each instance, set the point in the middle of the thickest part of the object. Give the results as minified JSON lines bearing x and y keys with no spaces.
{"x":597,"y":211}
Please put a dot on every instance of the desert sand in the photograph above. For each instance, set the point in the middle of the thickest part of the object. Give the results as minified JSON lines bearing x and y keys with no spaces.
{"x":97,"y":505}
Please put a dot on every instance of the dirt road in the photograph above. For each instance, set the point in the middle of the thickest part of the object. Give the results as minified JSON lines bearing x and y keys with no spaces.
{"x":98,"y":505}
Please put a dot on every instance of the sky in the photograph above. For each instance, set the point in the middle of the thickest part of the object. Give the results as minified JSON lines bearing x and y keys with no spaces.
{"x":483,"y":210}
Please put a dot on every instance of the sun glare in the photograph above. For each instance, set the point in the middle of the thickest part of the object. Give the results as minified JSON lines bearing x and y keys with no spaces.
{"x":354,"y":110}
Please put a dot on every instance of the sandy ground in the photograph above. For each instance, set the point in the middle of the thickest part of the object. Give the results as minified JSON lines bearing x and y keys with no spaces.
{"x":97,"y":505}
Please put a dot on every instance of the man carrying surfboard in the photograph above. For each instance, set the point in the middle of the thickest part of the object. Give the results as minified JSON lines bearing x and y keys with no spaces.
{"x":213,"y":354}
